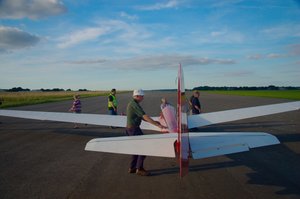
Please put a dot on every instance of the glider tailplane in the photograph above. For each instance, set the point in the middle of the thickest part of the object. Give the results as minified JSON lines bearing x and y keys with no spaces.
{"x":204,"y":144}
{"x":160,"y":145}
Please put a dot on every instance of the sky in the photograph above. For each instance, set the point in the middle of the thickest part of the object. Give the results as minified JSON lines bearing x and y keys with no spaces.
{"x":131,"y":44}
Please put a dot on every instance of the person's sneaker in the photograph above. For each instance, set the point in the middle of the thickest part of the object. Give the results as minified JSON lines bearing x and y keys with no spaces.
{"x":142,"y":172}
{"x":130,"y":170}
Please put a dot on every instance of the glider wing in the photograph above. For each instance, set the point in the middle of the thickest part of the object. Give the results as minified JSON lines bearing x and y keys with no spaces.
{"x":239,"y":114}
{"x":96,"y":119}
{"x":83,"y":118}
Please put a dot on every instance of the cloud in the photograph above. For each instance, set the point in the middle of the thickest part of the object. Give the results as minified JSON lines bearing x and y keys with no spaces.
{"x":159,"y":6}
{"x":218,"y":33}
{"x":294,"y":49}
{"x":274,"y":55}
{"x":223,"y":3}
{"x":118,"y":31}
{"x":266,"y":56}
{"x":239,"y":74}
{"x":84,"y":62}
{"x":255,"y":57}
{"x":218,"y":36}
{"x":283,"y":31}
{"x":14,"y":38}
{"x":32,"y":9}
{"x":80,"y":36}
{"x":226,"y":36}
{"x":154,"y":62}
{"x":128,"y":16}
{"x":168,"y":61}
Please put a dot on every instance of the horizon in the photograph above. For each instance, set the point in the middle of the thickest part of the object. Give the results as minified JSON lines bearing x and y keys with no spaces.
{"x":160,"y":89}
{"x":99,"y":45}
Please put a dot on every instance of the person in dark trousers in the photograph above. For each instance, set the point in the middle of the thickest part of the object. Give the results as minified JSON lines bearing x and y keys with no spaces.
{"x":195,"y":103}
{"x":135,"y":115}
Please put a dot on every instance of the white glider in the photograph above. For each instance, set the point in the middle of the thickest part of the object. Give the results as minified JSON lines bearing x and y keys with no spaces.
{"x":178,"y":142}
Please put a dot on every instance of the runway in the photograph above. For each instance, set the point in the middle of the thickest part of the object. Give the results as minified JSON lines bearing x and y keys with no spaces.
{"x":42,"y":159}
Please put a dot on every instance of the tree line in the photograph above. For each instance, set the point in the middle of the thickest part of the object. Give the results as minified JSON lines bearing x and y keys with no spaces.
{"x":253,"y":88}
{"x":20,"y":89}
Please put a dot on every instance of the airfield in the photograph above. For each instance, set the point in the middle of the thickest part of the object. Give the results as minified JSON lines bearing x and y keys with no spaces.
{"x":44,"y":159}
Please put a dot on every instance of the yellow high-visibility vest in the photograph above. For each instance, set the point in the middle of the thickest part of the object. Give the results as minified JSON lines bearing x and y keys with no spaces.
{"x":113,"y":103}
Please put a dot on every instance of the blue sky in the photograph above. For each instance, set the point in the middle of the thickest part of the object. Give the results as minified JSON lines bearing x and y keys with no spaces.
{"x":104,"y":44}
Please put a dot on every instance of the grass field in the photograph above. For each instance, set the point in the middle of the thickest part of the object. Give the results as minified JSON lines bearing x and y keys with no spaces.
{"x":285,"y":94}
{"x":12,"y":99}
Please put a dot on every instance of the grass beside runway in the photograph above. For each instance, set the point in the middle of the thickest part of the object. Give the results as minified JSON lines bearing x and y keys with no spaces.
{"x":284,"y":94}
{"x":13,"y":99}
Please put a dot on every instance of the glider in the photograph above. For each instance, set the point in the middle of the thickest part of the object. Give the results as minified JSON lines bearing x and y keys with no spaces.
{"x":178,"y":142}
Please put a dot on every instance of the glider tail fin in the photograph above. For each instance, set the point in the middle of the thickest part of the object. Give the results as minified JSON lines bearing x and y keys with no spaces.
{"x":183,"y":146}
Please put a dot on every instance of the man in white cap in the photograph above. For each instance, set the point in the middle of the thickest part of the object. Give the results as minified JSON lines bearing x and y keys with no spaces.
{"x":135,"y":115}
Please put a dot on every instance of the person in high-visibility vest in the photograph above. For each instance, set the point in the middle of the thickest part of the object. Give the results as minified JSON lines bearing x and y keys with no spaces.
{"x":112,"y":103}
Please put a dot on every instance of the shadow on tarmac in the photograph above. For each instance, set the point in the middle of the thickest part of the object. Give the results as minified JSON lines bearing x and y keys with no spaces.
{"x":267,"y":163}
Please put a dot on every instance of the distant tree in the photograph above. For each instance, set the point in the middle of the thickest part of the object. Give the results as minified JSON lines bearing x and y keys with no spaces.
{"x":57,"y":89}
{"x":17,"y":89}
{"x":272,"y":87}
{"x":52,"y":90}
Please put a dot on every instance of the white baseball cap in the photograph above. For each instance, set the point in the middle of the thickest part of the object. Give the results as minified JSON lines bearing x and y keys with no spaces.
{"x":138,"y":92}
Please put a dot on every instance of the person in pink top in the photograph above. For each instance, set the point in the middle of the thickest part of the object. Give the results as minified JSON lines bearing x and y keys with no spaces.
{"x":76,"y":107}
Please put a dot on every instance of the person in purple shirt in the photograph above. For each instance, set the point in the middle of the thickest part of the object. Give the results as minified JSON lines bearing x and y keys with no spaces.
{"x":76,"y":107}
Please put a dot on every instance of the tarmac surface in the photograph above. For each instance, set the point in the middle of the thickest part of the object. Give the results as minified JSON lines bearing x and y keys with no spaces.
{"x":43,"y":159}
